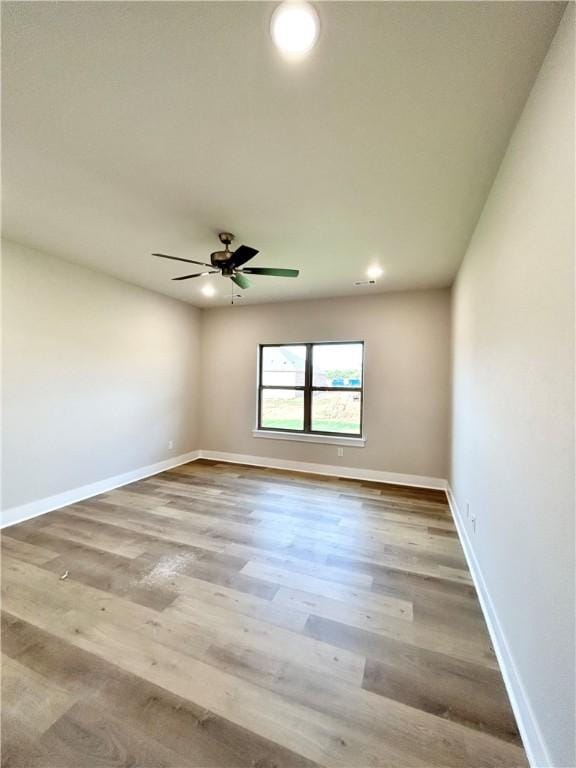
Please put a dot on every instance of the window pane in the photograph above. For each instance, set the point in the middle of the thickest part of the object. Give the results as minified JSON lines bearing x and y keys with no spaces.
{"x":283,"y":366}
{"x":282,"y":409}
{"x":336,"y":412}
{"x":337,"y":365}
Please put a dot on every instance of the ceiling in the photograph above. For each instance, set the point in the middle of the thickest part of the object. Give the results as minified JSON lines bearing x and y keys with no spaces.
{"x":137,"y":127}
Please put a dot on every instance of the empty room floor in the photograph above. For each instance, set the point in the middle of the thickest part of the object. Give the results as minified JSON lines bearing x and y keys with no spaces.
{"x":225,"y":615}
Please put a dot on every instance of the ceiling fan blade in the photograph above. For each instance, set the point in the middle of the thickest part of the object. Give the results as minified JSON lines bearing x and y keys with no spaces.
{"x":242,"y":254}
{"x":177,"y":258}
{"x":271,"y":271}
{"x":197,"y":274}
{"x":240,"y":280}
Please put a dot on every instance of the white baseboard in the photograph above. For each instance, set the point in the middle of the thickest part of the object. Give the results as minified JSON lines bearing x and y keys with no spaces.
{"x":532,"y":737}
{"x":354,"y":473}
{"x":23,"y":512}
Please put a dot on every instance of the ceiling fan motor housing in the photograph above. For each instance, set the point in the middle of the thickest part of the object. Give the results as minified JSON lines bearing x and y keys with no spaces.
{"x":219,"y":258}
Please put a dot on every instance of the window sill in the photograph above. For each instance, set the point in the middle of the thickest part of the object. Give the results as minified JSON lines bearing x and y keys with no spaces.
{"x":354,"y":442}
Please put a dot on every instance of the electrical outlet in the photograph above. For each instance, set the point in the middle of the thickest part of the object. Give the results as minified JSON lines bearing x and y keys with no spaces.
{"x":340,"y":451}
{"x":473,"y":523}
{"x":170,"y":444}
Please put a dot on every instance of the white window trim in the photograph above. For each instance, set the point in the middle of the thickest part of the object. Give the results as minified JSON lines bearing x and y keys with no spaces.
{"x":309,"y":437}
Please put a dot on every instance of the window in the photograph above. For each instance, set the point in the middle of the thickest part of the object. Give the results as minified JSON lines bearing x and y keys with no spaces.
{"x":311,"y":388}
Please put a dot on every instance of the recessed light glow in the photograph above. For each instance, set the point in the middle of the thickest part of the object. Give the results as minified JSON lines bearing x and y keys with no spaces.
{"x":208,"y":290}
{"x":294,"y":28}
{"x":374,"y":272}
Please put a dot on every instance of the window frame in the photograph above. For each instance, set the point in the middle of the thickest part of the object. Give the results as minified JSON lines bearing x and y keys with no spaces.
{"x":308,"y":388}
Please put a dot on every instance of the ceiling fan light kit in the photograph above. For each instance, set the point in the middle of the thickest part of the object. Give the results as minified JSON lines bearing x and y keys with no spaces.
{"x":231,"y":263}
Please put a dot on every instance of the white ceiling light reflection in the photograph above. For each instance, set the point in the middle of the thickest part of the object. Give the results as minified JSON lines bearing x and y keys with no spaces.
{"x":295,"y":28}
{"x":374,"y":272}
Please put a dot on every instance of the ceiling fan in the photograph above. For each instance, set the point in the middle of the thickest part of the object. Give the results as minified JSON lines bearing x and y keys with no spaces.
{"x":230,"y":263}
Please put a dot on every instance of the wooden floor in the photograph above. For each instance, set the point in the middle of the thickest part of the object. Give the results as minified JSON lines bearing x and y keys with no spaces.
{"x":224,"y":615}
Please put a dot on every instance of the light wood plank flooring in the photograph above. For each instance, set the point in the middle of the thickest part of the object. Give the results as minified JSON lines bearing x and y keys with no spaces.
{"x":225,"y":615}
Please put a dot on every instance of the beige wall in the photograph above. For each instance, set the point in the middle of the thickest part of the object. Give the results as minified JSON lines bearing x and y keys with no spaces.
{"x":407,"y":389}
{"x":98,"y":376}
{"x":513,"y":418}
